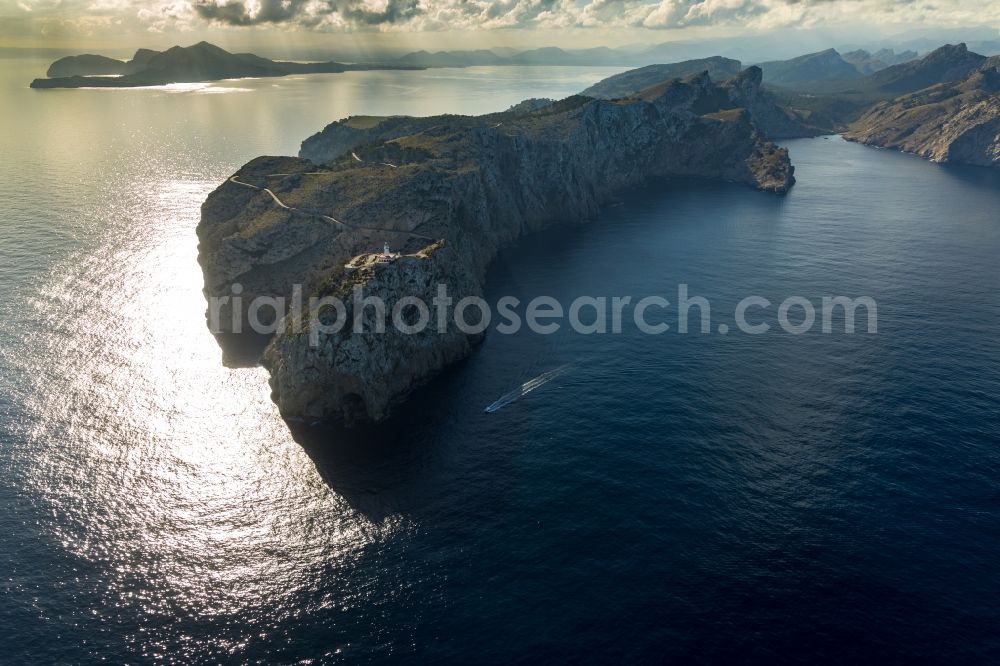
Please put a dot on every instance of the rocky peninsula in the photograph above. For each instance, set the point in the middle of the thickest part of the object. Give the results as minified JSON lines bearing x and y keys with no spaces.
{"x":448,"y":192}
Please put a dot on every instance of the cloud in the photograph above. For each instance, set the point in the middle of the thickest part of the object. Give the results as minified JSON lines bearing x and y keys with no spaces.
{"x":307,"y":13}
{"x":473,"y":15}
{"x":653,"y":14}
{"x":236,"y":12}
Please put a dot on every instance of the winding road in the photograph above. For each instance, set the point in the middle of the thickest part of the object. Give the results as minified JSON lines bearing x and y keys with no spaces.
{"x":388,"y":164}
{"x":316,"y":213}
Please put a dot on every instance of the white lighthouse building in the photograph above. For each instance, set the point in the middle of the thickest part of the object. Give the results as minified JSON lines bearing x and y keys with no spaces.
{"x":387,"y":255}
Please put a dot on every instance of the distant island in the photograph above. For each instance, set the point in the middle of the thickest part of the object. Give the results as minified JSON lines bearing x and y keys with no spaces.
{"x":201,"y":62}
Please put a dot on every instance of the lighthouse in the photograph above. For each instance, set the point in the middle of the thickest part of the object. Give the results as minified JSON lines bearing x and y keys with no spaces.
{"x":386,"y":255}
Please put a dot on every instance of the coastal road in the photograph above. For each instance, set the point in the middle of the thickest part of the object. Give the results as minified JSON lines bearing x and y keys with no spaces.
{"x":388,"y":164}
{"x":316,"y":213}
{"x":282,"y":204}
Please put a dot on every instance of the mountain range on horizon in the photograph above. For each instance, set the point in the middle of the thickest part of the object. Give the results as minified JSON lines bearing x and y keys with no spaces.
{"x":866,"y":57}
{"x":815,"y":93}
{"x":204,"y":61}
{"x":854,"y":62}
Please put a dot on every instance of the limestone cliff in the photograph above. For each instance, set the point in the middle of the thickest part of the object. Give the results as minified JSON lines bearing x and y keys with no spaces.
{"x":774,"y":120}
{"x":473,"y":183}
{"x":356,"y":372}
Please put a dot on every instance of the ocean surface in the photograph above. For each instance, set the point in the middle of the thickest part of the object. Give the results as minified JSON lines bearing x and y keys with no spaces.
{"x":702,"y":497}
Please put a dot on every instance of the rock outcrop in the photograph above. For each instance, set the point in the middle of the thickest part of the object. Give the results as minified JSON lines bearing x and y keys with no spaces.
{"x":354,"y":371}
{"x":949,"y":122}
{"x":448,"y":192}
{"x":775,"y":121}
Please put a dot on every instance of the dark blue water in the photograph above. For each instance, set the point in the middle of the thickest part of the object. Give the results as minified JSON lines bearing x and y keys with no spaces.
{"x":701,"y":497}
{"x":724,"y":498}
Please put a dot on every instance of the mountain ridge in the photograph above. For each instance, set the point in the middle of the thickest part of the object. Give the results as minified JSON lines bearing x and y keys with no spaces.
{"x":957,"y":121}
{"x":810,"y":68}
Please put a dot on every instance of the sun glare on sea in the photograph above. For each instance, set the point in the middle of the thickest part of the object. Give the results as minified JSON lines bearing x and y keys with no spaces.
{"x":166,"y":467}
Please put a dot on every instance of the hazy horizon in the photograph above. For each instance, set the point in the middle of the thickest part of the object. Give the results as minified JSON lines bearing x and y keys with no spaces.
{"x":298,"y":28}
{"x":749,"y":48}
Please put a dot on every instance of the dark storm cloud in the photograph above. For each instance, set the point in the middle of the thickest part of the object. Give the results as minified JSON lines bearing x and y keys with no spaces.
{"x":486,"y":14}
{"x":235,"y":12}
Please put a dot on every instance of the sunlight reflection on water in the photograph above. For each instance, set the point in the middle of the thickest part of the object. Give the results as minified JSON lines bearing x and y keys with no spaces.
{"x":719,"y":496}
{"x":207,"y":87}
{"x":158,"y":506}
{"x":159,"y":461}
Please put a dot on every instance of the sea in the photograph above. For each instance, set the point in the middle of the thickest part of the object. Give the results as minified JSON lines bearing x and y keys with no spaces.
{"x":706,"y":497}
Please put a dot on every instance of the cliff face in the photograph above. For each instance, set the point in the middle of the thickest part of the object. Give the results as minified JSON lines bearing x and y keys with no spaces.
{"x":356,"y":374}
{"x":772,"y":119}
{"x":949,"y":122}
{"x":476,"y":183}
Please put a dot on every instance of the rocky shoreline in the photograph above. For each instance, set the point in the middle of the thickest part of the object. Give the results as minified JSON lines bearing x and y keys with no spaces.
{"x":474,"y":184}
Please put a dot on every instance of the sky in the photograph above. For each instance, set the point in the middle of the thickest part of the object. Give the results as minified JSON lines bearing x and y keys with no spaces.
{"x":438,"y":24}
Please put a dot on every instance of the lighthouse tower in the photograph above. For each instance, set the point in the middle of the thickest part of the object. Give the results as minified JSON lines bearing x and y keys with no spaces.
{"x":386,"y":255}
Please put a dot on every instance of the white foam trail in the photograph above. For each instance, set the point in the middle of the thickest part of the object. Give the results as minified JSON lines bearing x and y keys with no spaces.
{"x":527,"y":387}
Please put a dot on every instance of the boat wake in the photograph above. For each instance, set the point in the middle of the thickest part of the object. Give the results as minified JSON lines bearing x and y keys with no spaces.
{"x":526,"y":388}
